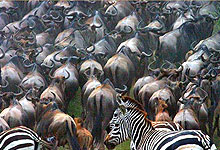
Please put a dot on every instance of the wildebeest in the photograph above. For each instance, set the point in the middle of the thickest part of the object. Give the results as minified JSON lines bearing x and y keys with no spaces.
{"x":99,"y":109}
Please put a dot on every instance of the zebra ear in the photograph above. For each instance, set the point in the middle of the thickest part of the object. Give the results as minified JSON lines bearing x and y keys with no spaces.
{"x":122,"y":108}
{"x":119,"y":99}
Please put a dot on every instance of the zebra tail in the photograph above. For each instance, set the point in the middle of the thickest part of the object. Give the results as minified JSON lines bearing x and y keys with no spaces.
{"x":48,"y":145}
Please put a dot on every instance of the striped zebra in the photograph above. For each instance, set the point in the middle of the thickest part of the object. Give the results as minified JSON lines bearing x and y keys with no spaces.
{"x":158,"y":125}
{"x":138,"y":128}
{"x":129,"y":102}
{"x":22,"y":138}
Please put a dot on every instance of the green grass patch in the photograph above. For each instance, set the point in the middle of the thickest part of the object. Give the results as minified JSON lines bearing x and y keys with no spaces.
{"x":75,"y":107}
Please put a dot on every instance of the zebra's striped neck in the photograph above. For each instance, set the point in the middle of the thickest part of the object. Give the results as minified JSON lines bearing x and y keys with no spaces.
{"x":138,"y":125}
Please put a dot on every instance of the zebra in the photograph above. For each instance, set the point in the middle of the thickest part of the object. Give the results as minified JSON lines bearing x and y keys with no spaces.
{"x":158,"y":125}
{"x":138,"y":128}
{"x":22,"y":138}
{"x":129,"y":102}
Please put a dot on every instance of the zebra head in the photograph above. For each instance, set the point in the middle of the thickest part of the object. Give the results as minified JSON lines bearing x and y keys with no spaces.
{"x":116,"y":116}
{"x":119,"y":133}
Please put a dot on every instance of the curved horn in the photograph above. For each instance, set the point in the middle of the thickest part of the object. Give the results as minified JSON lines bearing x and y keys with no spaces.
{"x":127,"y":29}
{"x":213,"y":61}
{"x":180,"y":69}
{"x":20,"y":93}
{"x":6,"y":84}
{"x":93,"y":49}
{"x":38,"y":52}
{"x":21,"y":23}
{"x":26,"y":95}
{"x":33,"y":24}
{"x":54,"y":57}
{"x":45,"y":18}
{"x":50,"y":74}
{"x":205,"y":97}
{"x":149,"y":66}
{"x":53,"y":64}
{"x":59,"y":20}
{"x":3,"y":53}
{"x":195,"y":6}
{"x":54,"y":95}
{"x":68,"y":74}
{"x":170,"y":11}
{"x":95,"y":23}
{"x":26,"y":65}
{"x":192,"y":45}
{"x":151,"y":11}
{"x":54,"y":14}
{"x":35,"y":13}
{"x":214,"y":18}
{"x":74,"y":59}
{"x":182,"y":102}
{"x":147,"y":55}
{"x":112,"y":14}
{"x":124,"y":90}
{"x":188,"y":75}
{"x":162,"y":66}
{"x":34,"y":37}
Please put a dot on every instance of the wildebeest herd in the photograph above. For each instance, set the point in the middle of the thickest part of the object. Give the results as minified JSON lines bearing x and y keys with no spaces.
{"x":164,"y":55}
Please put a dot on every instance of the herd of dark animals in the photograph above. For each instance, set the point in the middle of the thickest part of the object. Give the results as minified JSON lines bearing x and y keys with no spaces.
{"x":49,"y":49}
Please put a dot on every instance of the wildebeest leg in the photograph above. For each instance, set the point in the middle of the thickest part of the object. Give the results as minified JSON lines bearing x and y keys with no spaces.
{"x":210,"y":121}
{"x":55,"y":145}
{"x":217,"y":124}
{"x":203,"y":127}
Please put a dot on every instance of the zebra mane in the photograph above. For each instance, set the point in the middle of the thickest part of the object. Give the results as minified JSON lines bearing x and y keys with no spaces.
{"x":133,"y":101}
{"x":142,"y":112}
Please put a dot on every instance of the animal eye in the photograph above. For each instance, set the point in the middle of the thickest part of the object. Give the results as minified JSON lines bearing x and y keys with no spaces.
{"x":208,"y":19}
{"x":115,"y":115}
{"x":117,"y":125}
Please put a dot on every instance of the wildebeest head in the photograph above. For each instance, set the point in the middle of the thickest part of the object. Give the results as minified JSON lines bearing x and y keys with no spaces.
{"x":25,"y":37}
{"x":59,"y":80}
{"x":6,"y":97}
{"x":34,"y":23}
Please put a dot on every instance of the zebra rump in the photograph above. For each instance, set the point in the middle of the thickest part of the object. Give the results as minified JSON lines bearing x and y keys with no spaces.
{"x":21,"y":138}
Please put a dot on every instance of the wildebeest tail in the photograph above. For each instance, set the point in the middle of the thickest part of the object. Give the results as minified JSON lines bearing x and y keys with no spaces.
{"x":71,"y":137}
{"x":97,"y":127}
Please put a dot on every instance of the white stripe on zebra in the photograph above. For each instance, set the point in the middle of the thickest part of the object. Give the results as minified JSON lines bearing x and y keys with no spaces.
{"x":190,"y":147}
{"x":24,"y":141}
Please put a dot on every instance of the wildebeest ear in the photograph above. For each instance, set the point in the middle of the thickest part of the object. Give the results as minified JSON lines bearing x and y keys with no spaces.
{"x":107,"y":81}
